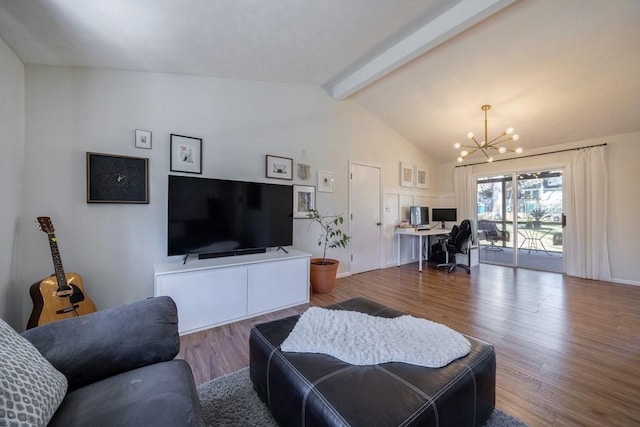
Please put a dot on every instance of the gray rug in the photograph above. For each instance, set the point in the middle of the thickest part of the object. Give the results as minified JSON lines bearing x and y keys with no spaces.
{"x":231,"y":401}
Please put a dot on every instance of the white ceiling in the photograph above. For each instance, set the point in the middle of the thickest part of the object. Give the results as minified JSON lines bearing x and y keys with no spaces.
{"x":556,"y":70}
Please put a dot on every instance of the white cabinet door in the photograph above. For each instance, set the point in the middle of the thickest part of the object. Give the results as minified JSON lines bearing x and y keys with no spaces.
{"x":206,"y":297}
{"x":281,"y":284}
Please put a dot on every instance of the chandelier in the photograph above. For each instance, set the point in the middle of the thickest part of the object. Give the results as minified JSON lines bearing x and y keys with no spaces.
{"x":486,"y":146}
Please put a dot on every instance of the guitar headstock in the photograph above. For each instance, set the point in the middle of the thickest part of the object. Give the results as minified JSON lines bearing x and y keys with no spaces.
{"x":45,"y":224}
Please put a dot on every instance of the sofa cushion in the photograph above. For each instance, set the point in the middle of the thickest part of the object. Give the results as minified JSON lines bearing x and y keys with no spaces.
{"x":31,"y":389}
{"x":162,"y":394}
{"x":98,"y":345}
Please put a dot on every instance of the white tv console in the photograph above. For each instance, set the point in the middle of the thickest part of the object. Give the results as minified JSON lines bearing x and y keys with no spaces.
{"x":216,"y":291}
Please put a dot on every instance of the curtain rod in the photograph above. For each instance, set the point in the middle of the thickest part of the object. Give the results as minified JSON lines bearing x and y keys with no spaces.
{"x":534,"y":155}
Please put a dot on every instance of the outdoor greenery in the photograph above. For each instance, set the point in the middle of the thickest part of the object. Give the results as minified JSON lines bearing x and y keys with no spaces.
{"x":330,"y":236}
{"x":538,"y":213}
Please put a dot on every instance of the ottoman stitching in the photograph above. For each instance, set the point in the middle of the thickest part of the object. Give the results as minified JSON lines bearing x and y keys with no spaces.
{"x":310,"y":386}
{"x":321,"y":396}
{"x":273,"y":350}
{"x":429,"y":401}
{"x":440,"y":392}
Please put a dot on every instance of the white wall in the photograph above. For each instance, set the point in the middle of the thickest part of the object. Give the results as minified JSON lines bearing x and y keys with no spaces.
{"x":12,"y":143}
{"x":70,"y":111}
{"x":624,"y":194}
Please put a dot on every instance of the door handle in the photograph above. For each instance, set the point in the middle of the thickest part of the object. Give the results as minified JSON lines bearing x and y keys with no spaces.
{"x":378,"y":224}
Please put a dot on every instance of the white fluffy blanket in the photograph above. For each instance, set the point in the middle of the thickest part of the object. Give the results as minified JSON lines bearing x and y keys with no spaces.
{"x":361,"y":339}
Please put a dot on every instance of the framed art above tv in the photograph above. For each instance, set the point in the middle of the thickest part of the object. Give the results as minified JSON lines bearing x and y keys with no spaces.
{"x":186,"y":154}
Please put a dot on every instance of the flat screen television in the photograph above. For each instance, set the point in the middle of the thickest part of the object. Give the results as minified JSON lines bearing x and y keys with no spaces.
{"x":216,"y":217}
{"x":419,"y":215}
{"x":444,"y":214}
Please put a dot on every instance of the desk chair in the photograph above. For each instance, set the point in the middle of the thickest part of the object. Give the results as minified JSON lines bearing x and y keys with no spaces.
{"x":458,"y":241}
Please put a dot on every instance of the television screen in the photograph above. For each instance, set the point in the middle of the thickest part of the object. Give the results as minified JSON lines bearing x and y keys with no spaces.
{"x":418,"y":215}
{"x":444,"y":214}
{"x":220,"y":217}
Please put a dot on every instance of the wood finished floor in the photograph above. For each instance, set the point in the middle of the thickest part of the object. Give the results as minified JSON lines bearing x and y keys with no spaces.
{"x":568,"y":349}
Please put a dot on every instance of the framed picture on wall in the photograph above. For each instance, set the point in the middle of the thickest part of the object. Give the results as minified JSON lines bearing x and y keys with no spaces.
{"x":304,"y":200}
{"x":186,"y":154}
{"x":279,"y":167}
{"x":143,"y":139}
{"x":325,"y":181}
{"x":406,"y":174}
{"x":422,"y":177}
{"x":117,"y":179}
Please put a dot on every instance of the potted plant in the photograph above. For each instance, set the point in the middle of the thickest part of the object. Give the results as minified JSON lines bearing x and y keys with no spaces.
{"x":323,"y":270}
{"x":537,"y":214}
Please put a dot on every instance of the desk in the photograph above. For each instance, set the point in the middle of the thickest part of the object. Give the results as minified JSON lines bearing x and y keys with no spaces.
{"x":419,"y":234}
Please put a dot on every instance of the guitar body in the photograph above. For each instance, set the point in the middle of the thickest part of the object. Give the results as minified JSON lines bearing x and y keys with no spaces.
{"x":49,"y":307}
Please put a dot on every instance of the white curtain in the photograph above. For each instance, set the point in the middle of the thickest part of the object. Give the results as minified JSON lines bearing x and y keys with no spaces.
{"x":586,"y":253}
{"x":464,"y":188}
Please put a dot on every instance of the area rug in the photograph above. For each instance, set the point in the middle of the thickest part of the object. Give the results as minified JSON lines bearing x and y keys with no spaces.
{"x":231,"y":401}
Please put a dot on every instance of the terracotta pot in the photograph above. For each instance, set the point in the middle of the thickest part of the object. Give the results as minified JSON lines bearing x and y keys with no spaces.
{"x":323,"y":276}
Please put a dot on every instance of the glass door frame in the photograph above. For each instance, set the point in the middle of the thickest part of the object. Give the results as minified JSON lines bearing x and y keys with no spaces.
{"x":513,"y":178}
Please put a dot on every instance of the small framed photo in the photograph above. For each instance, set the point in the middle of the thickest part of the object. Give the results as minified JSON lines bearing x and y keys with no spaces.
{"x":304,"y":200}
{"x":325,"y":181}
{"x":117,"y":179}
{"x":406,"y":174}
{"x":422,"y":177}
{"x":186,"y":154}
{"x":143,"y":139}
{"x":279,"y":167}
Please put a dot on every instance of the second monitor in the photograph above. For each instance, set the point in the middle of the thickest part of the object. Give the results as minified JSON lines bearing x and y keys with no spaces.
{"x":444,"y":214}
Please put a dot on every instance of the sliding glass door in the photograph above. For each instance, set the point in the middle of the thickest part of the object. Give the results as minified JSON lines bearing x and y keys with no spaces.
{"x":532,"y":237}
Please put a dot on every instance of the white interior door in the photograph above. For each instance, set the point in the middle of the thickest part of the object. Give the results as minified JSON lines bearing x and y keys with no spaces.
{"x":366,"y":213}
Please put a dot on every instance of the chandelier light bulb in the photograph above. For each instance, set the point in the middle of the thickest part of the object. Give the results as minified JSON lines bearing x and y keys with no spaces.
{"x":519,"y":150}
{"x":509,"y":131}
{"x":490,"y":159}
{"x":457,"y":145}
{"x":515,"y":137}
{"x":470,"y":135}
{"x":483,"y":143}
{"x":502,"y":150}
{"x":464,"y":153}
{"x":460,"y":159}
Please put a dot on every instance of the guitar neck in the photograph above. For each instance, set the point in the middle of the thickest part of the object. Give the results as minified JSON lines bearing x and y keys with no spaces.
{"x":57,"y":262}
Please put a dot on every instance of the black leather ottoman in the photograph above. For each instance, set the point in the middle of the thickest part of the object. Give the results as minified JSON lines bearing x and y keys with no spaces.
{"x":317,"y":389}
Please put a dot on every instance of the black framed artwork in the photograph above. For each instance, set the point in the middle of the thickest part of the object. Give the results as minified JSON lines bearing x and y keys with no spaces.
{"x":117,"y":179}
{"x":186,"y":154}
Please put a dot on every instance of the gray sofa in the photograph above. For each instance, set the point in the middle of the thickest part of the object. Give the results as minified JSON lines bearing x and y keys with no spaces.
{"x":120,"y":367}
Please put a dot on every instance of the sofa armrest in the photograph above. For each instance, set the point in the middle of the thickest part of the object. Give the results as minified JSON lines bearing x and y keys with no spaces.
{"x":99,"y":345}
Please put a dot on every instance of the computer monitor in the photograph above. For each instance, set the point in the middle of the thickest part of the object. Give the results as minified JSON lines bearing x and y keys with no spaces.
{"x":418,"y":215}
{"x":444,"y":214}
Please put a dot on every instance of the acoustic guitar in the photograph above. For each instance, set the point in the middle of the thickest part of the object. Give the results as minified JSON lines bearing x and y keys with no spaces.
{"x":61,"y":295}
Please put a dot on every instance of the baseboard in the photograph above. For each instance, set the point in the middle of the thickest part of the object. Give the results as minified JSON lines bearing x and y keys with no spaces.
{"x":625,"y":282}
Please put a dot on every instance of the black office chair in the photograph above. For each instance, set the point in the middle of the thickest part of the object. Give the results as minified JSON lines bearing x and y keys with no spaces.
{"x":458,"y":241}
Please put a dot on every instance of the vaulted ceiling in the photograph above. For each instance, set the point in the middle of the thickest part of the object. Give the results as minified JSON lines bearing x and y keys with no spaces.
{"x":556,"y":70}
